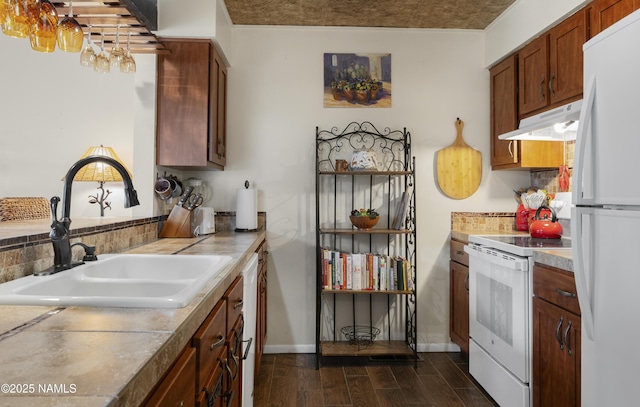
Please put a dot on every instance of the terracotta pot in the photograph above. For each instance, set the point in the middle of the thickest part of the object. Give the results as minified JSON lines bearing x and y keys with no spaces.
{"x":349,"y":95}
{"x":363,"y":96}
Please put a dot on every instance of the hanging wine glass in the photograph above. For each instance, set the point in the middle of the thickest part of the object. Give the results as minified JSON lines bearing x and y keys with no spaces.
{"x":17,"y":17}
{"x":88,"y":55}
{"x":44,"y":26}
{"x":102,"y":61}
{"x":117,"y":53}
{"x":128,"y":64}
{"x":3,"y":14}
{"x":70,"y":35}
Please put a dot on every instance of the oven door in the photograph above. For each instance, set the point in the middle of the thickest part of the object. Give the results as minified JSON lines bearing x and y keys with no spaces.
{"x":499,"y":307}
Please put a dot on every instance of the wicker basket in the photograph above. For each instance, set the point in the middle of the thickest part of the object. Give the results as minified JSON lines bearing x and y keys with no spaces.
{"x":360,"y":335}
{"x":23,"y":208}
{"x":364,"y":222}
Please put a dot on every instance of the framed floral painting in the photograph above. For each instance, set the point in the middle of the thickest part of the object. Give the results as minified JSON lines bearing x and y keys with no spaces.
{"x":357,"y":80}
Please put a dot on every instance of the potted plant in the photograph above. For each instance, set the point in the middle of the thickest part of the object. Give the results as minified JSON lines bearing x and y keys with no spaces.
{"x":349,"y":92}
{"x":363,"y":92}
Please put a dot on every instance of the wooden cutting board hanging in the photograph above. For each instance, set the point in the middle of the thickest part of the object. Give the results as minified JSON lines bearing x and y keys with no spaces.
{"x":459,"y":167}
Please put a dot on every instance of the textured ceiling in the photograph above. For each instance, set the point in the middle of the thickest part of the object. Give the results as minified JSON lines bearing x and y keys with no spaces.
{"x":464,"y":14}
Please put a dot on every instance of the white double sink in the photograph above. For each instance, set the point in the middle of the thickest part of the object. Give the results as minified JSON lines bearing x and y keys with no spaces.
{"x":119,"y":280}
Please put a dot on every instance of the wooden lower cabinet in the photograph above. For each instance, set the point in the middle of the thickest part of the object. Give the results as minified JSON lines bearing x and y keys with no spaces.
{"x":232,"y":395}
{"x":209,"y":371}
{"x":556,"y":339}
{"x":261,"y":318}
{"x":178,"y":386}
{"x":210,"y":394}
{"x":459,"y":296}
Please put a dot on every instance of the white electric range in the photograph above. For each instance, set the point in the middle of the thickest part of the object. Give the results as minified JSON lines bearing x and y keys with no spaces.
{"x":500,"y":307}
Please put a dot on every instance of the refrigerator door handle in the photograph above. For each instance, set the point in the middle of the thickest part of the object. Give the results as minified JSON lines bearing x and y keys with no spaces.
{"x":580,"y":164}
{"x":581,"y":273}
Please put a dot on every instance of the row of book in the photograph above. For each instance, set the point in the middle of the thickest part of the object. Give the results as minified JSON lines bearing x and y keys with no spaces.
{"x":365,"y":271}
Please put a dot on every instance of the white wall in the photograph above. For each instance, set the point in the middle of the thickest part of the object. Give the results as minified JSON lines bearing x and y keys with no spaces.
{"x":274,"y":106}
{"x":53,"y":110}
{"x":522,"y":21}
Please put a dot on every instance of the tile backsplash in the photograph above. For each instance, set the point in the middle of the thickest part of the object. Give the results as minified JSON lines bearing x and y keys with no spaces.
{"x":483,"y":221}
{"x":22,"y":255}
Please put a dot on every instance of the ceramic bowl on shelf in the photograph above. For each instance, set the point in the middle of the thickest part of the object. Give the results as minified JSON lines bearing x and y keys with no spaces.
{"x":364,"y":222}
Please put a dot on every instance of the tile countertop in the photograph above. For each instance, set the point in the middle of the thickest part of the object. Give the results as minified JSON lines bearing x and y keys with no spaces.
{"x":90,"y":356}
{"x":555,"y":258}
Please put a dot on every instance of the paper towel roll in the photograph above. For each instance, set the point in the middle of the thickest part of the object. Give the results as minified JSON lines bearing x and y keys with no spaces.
{"x":246,"y":209}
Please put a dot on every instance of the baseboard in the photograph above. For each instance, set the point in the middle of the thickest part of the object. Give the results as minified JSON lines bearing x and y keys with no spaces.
{"x":422,"y":347}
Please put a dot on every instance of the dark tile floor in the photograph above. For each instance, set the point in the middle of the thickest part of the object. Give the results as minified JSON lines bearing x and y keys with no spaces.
{"x":440,"y":379}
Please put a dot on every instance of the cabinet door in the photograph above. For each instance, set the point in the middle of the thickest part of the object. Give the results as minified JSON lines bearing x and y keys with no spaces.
{"x":565,"y":59}
{"x":556,"y":356}
{"x":261,"y":320}
{"x":178,"y":388}
{"x":532,"y":76}
{"x":218,"y":126}
{"x":183,"y":104}
{"x":604,"y":13}
{"x":504,"y":113}
{"x":459,"y":305}
{"x":233,"y":387}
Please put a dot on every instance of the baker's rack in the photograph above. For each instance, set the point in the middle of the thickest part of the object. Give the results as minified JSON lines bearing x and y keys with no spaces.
{"x":391,"y":313}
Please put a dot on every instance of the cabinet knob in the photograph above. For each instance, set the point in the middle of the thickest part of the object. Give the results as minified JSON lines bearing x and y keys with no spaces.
{"x":541,"y":88}
{"x":551,"y":91}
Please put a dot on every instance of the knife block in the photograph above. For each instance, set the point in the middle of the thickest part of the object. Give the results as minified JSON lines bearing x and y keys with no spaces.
{"x":178,"y":224}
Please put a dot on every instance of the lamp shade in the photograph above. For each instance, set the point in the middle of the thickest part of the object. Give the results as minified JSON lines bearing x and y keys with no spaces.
{"x":98,"y":171}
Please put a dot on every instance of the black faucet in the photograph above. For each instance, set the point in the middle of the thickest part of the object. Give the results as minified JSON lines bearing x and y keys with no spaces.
{"x":59,"y":233}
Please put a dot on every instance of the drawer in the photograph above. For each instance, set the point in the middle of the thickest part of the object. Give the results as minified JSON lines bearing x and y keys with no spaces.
{"x":234,"y":297}
{"x":457,"y":253}
{"x":209,"y":341}
{"x":211,"y":393}
{"x":556,"y":286}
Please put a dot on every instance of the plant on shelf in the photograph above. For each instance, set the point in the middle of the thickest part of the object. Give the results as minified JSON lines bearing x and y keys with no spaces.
{"x":370,"y":213}
{"x":364,"y":218}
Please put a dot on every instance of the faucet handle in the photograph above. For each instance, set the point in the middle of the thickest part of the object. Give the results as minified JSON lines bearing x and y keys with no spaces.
{"x":89,"y":251}
{"x":90,"y":254}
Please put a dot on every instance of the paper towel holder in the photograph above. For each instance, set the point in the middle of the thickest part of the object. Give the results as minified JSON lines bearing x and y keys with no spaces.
{"x":246,"y":186}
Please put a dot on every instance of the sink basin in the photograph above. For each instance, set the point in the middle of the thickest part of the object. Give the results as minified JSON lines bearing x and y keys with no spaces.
{"x":119,"y":280}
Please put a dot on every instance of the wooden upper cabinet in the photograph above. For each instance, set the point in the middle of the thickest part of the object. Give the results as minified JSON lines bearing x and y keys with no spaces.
{"x":532,"y":76}
{"x":604,"y":13}
{"x":191,"y":106}
{"x":504,"y":110}
{"x":565,"y":59}
{"x":218,"y":128}
{"x":550,"y":67}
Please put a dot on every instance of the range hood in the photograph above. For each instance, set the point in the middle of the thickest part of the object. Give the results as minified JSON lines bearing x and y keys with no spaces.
{"x":559,"y":124}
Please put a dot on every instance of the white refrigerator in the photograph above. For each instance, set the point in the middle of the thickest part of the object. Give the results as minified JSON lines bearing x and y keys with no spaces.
{"x":606,"y":217}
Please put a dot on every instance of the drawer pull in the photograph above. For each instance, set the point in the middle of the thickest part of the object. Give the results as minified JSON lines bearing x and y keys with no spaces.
{"x":565,"y":293}
{"x":238,"y":304}
{"x":459,"y":252}
{"x":541,"y":89}
{"x":558,"y":328}
{"x":219,"y":342}
{"x":566,"y":334}
{"x":466,"y":282}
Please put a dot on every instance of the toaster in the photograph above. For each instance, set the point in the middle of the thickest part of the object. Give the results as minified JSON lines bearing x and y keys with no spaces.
{"x":204,"y":221}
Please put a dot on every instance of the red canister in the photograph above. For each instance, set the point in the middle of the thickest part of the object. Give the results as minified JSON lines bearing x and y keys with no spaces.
{"x":522,"y":218}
